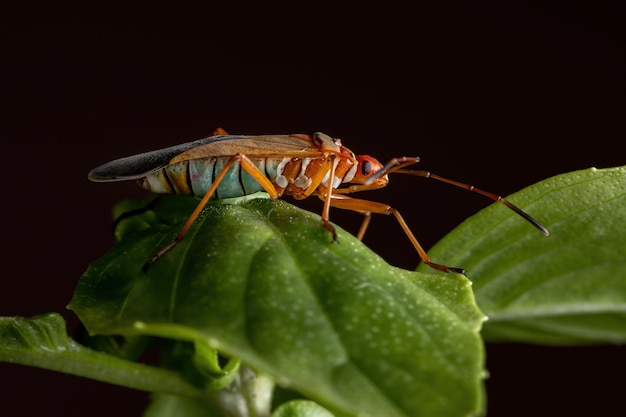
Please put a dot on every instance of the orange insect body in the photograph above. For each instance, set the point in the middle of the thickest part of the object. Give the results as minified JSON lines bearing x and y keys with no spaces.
{"x":222,"y":166}
{"x":299,"y":176}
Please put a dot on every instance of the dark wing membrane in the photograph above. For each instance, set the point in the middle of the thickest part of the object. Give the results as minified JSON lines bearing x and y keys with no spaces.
{"x":140,"y":165}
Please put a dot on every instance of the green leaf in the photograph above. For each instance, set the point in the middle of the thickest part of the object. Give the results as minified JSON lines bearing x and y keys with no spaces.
{"x":301,"y":408}
{"x":164,"y":405}
{"x":262,"y":281}
{"x":42,"y":341}
{"x":569,"y":287}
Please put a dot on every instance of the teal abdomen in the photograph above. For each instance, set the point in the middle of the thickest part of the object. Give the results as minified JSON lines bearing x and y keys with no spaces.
{"x":195,"y":177}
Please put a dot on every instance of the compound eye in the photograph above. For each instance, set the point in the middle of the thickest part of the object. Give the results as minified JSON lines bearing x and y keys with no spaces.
{"x":366,"y":167}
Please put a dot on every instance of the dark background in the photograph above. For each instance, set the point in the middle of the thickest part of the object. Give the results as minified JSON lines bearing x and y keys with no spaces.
{"x":497,"y":95}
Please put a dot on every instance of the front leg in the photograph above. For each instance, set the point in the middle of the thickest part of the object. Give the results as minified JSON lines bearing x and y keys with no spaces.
{"x":367,"y":207}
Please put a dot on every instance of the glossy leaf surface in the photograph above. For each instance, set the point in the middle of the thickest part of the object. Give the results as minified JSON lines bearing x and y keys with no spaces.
{"x":569,"y":287}
{"x":261,"y":280}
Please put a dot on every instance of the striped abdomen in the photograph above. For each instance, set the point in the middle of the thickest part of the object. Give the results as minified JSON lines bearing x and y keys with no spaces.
{"x":195,"y":177}
{"x":299,"y":177}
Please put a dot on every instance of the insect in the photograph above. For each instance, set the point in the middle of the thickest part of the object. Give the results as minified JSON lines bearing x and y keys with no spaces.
{"x":223,"y":165}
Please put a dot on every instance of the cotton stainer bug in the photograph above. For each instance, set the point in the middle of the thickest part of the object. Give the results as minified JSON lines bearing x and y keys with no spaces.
{"x":223,"y":166}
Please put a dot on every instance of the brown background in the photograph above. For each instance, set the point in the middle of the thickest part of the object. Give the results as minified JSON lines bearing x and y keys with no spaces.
{"x":500,"y":96}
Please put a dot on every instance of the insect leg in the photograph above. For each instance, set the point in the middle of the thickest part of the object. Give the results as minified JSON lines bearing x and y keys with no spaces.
{"x":367,"y":207}
{"x":152,"y":204}
{"x":328,"y":196}
{"x":249,"y":167}
{"x":367,"y":217}
{"x":494,"y":197}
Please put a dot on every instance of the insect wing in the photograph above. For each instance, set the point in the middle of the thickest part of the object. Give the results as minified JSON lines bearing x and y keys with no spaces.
{"x":266,"y":146}
{"x":141,"y":165}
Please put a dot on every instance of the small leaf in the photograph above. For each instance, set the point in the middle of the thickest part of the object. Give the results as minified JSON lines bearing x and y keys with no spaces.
{"x":569,"y":287}
{"x":261,"y":280}
{"x":301,"y":408}
{"x":42,"y":341}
